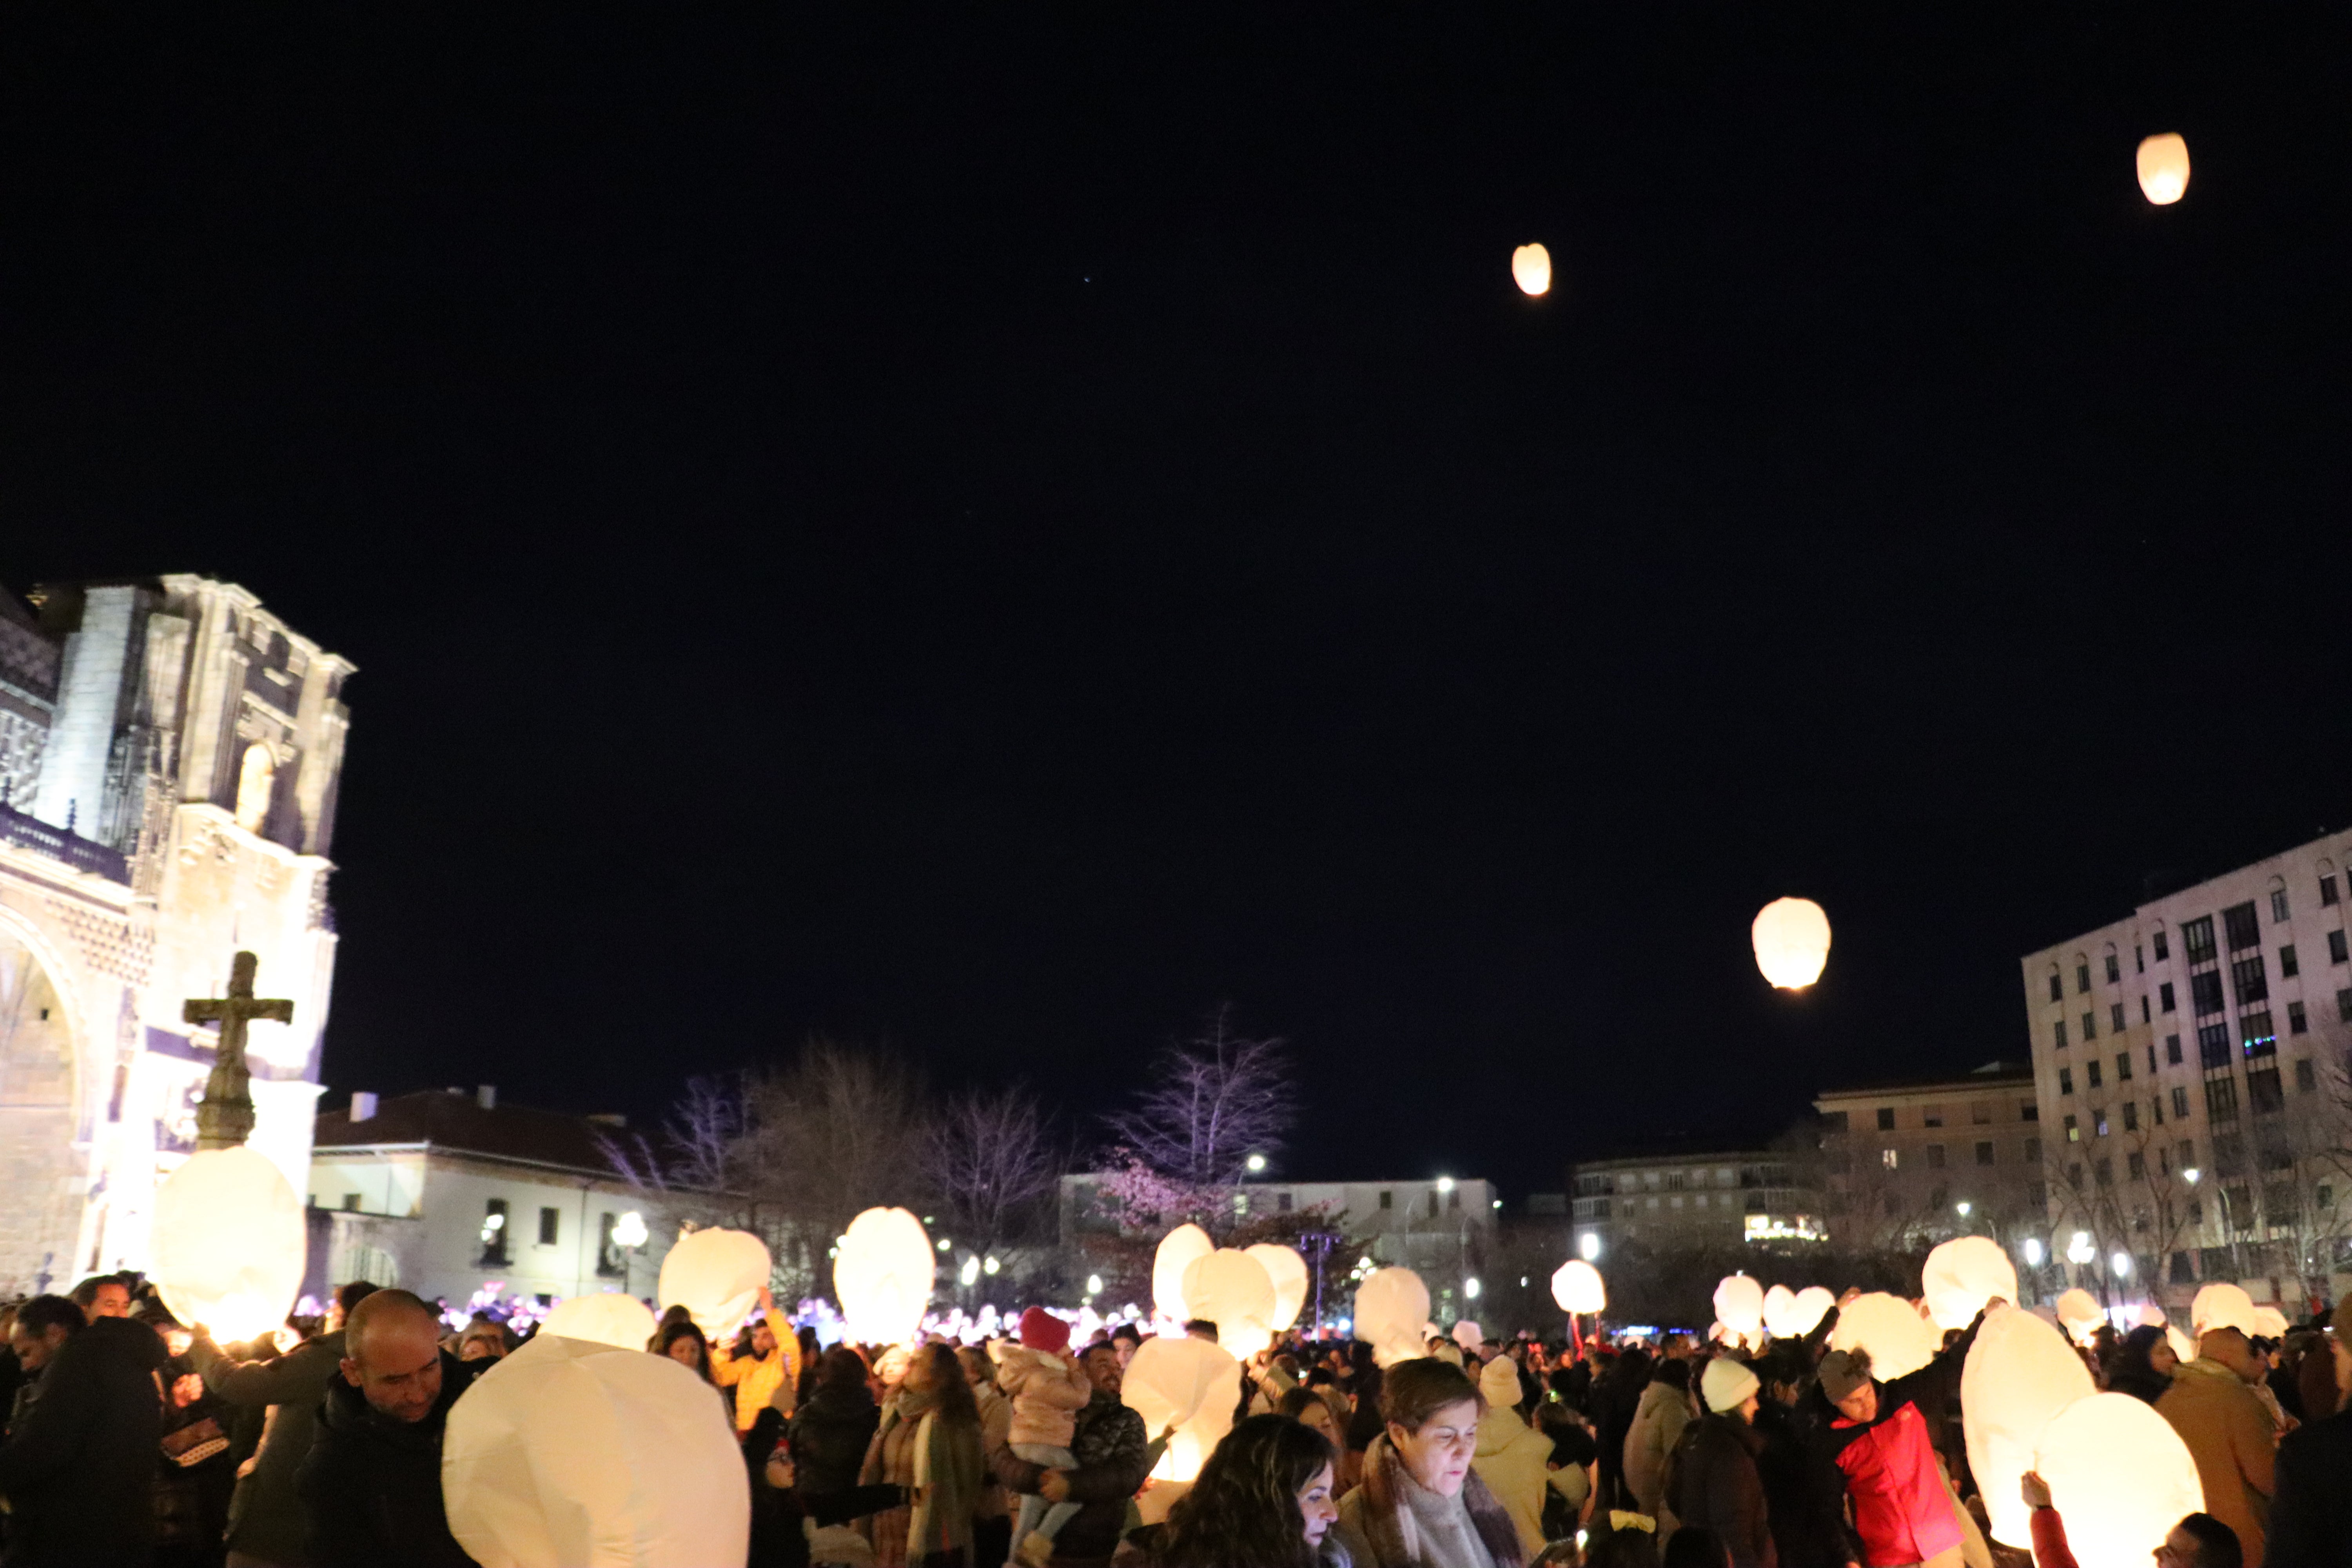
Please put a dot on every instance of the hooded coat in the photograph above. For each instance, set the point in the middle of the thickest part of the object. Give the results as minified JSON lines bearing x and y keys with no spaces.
{"x":829,"y":1434}
{"x":1514,"y":1461}
{"x":1658,"y":1423}
{"x":80,"y":1471}
{"x":371,"y":1486}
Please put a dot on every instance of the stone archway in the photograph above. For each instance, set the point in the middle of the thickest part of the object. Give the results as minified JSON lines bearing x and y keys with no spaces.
{"x":39,"y":1221}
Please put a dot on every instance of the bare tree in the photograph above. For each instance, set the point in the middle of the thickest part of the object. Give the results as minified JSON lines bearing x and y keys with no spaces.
{"x":991,"y":1157}
{"x":1215,"y":1101}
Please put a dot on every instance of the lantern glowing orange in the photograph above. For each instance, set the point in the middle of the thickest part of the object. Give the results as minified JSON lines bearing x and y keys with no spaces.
{"x":716,"y":1276}
{"x":2080,"y":1314}
{"x":882,"y":1275}
{"x":2164,"y":169}
{"x":1189,"y":1384}
{"x":2270,"y":1324}
{"x":1900,"y":1342}
{"x":1178,"y":1250}
{"x":1780,"y":1311}
{"x":1962,"y":1275}
{"x":2119,"y":1475}
{"x":1740,"y":1304}
{"x":611,"y":1319}
{"x":1287,"y":1270}
{"x":1230,"y":1289}
{"x":1577,"y":1287}
{"x":1791,"y":938}
{"x":229,"y":1243}
{"x":1531,"y":269}
{"x":1391,"y":1310}
{"x":2020,"y":1372}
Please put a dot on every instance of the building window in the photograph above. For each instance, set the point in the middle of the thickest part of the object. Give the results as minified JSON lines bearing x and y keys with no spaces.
{"x":2262,"y":1092}
{"x":2247,"y":977}
{"x":1984,"y":1152}
{"x":2288,"y":968}
{"x":2065,"y":1080}
{"x":352,"y":1200}
{"x":2197,"y":939}
{"x":1887,"y":1118}
{"x":1454,"y":1199}
{"x":494,"y":1233}
{"x":2029,"y":1110}
{"x":2057,"y":987}
{"x":1932,"y":1116}
{"x":2090,"y":1026}
{"x":2099,"y":1121}
{"x":2172,"y":1051}
{"x":1388,"y":1200}
{"x":547,"y":1227}
{"x":610,"y":1262}
{"x":2151,"y":1059}
{"x":2074,"y":1132}
{"x":2278,"y":906}
{"x":2030,"y":1149}
{"x":2164,"y":996}
{"x":2058,"y":1034}
{"x":2327,"y":889}
{"x":2123,"y":1066}
{"x":1889,"y":1158}
{"x":2093,"y":1069}
{"x":2116,"y":1017}
{"x":2306,"y":1077}
{"x":2037,"y":1194}
{"x":2136,"y":1166}
{"x":2205,"y":991}
{"x":2335,"y":947}
{"x":2344,"y":1007}
{"x":1282,"y":1203}
{"x":2156,"y":1108}
{"x":2239,"y":925}
{"x":1935,"y":1157}
{"x":2131,"y":1115}
{"x":2115,"y":974}
{"x":2162,"y":951}
{"x":2221,"y":1100}
{"x":2213,"y":1046}
{"x":2179,"y":1102}
{"x":1936,"y":1199}
{"x":2255,"y":1029}
{"x":2082,"y":978}
{"x":2144,"y":1014}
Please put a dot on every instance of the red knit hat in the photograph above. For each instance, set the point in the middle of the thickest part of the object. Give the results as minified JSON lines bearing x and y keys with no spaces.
{"x":1041,"y":1331}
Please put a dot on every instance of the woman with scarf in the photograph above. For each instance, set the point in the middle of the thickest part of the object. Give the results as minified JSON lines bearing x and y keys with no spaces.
{"x":929,"y":1443}
{"x":1420,"y":1506}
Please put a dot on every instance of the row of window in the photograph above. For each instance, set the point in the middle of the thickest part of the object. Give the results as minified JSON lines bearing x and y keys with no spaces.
{"x":2030,"y":1150}
{"x":2197,"y":936}
{"x":2253,"y":987}
{"x":1981,"y":1114}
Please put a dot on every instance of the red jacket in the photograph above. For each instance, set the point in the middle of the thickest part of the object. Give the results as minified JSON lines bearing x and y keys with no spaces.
{"x":2050,"y":1549}
{"x":1901,"y":1510}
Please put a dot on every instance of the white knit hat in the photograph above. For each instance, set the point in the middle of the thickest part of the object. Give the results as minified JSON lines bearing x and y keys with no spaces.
{"x":1726,"y":1384}
{"x":1499,"y":1382}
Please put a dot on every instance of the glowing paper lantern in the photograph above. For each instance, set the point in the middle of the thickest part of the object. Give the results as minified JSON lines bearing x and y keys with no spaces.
{"x":1187,"y":1383}
{"x":2150,"y":1315}
{"x":611,"y":1319}
{"x":1793,"y":942}
{"x":1900,"y":1342}
{"x":1962,"y":1275}
{"x":1469,"y":1336}
{"x":1813,"y":1304}
{"x":1779,"y":1312}
{"x":882,"y":1275}
{"x":229,"y":1243}
{"x":2270,"y":1324}
{"x":1739,"y":1303}
{"x":715,"y":1274}
{"x":2080,"y":1314}
{"x":2182,"y":1345}
{"x":1231,"y":1289}
{"x":1178,"y":1250}
{"x":2020,"y":1374}
{"x":1577,"y":1286}
{"x":1391,"y":1307}
{"x":1287,"y":1270}
{"x":1531,"y":269}
{"x":2222,"y":1307}
{"x":2119,"y":1475}
{"x":2164,"y":169}
{"x":571,"y":1453}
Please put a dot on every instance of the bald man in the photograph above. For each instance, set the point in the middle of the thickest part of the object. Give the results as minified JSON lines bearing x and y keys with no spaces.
{"x":371,"y":1486}
{"x":2229,"y":1432}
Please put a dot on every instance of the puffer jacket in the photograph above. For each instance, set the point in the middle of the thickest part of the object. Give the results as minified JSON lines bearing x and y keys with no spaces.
{"x":1516,"y":1464}
{"x":1047,"y":1392}
{"x":1658,"y":1423}
{"x":1901,"y":1509}
{"x":371,"y":1486}
{"x":829,"y":1434}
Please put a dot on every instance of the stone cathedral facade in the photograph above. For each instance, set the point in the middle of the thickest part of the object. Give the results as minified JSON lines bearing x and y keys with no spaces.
{"x":168,"y":757}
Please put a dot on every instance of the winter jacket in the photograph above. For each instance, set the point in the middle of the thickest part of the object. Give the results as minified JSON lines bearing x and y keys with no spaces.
{"x":1046,"y":1391}
{"x":758,"y":1381}
{"x":829,"y":1434}
{"x":943,"y":1493}
{"x":1658,"y":1423}
{"x":1515,"y":1462}
{"x":1901,"y":1510}
{"x":1393,"y":1521}
{"x":1717,"y":1486}
{"x":1108,"y":1445}
{"x":1803,"y":1492}
{"x":2231,"y":1437}
{"x":2311,"y":1521}
{"x":265,"y":1517}
{"x":371,"y":1486}
{"x":79,"y":1471}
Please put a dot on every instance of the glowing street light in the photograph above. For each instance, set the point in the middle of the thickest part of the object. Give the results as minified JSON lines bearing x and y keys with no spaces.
{"x":2034,"y":1252}
{"x":1094,"y":1284}
{"x":1470,"y":1288}
{"x":1257,"y":1162}
{"x":989,"y":1264}
{"x":2190,"y":1176}
{"x":2121,"y":1264}
{"x":2079,"y":1249}
{"x":1589,"y":1243}
{"x":969,"y":1273}
{"x":1964,"y":1206}
{"x":1445,"y":1184}
{"x":629,"y":1230}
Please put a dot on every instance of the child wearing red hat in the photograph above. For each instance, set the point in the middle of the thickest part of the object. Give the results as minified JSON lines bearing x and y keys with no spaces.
{"x":1048,"y":1388}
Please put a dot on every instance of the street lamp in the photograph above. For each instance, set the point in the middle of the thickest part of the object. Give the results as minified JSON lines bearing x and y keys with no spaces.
{"x":969,"y":1275}
{"x":2079,"y":1249}
{"x":1094,"y":1284}
{"x":1257,"y":1162}
{"x":1445,"y":1184}
{"x":2034,"y":1252}
{"x":1964,"y":1205}
{"x":2190,"y":1174}
{"x":1470,"y":1288}
{"x":628,"y":1234}
{"x":2121,"y":1264}
{"x":1589,"y":1243}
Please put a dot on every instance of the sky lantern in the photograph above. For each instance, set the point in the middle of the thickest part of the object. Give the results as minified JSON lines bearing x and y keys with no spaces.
{"x":715,"y":1274}
{"x":1900,"y":1342}
{"x":1780,"y":1313}
{"x":609,"y":1318}
{"x":2020,"y":1374}
{"x":1813,"y":1304}
{"x":2080,"y":1314}
{"x":229,"y":1243}
{"x":2119,"y":1475}
{"x":882,"y":1276}
{"x":2270,"y":1324}
{"x":1178,"y":1250}
{"x":1531,"y":269}
{"x":1187,"y":1383}
{"x":1962,"y":1275}
{"x":1577,"y":1287}
{"x":1468,"y":1335}
{"x":1231,"y":1288}
{"x":1287,"y":1270}
{"x":2222,"y":1306}
{"x":570,"y":1452}
{"x":1391,"y":1308}
{"x":1793,"y":942}
{"x":1740,"y":1304}
{"x":2164,"y":169}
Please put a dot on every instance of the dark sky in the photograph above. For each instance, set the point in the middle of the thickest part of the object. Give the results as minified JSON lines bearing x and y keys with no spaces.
{"x":1004,"y":528}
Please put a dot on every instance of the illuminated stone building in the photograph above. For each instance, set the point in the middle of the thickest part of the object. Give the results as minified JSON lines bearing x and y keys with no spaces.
{"x":1673,"y":1199}
{"x":1912,"y":1163}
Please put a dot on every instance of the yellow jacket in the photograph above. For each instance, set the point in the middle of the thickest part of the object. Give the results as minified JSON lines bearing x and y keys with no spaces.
{"x":759,"y":1380}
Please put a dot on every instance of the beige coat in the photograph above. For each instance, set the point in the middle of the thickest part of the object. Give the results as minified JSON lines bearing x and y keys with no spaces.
{"x":2231,"y":1437}
{"x":1515,"y":1462}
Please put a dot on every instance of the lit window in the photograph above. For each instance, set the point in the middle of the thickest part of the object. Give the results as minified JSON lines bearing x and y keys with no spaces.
{"x":1888,"y":1158}
{"x":2073,"y":1132}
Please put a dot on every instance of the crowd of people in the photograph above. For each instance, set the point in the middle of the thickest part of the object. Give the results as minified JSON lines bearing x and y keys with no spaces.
{"x":134,"y":1439}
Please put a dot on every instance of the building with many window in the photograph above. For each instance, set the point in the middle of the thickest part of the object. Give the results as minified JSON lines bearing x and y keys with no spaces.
{"x":1678,"y":1199}
{"x":1907,"y":1163}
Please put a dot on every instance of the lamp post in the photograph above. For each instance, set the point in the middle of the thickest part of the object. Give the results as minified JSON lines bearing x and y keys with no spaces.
{"x":629,"y":1234}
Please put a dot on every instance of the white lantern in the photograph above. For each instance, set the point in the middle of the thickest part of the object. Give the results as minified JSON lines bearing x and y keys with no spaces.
{"x":2222,"y":1307}
{"x":882,"y":1276}
{"x":1392,"y":1307}
{"x":2164,"y":169}
{"x":1287,"y":1270}
{"x":716,"y":1276}
{"x":1779,"y":1312}
{"x":2119,"y":1475}
{"x":570,"y":1453}
{"x":1178,"y":1250}
{"x":1739,"y":1303}
{"x":230,"y":1244}
{"x":2080,"y":1314}
{"x":2270,"y":1324}
{"x":1187,"y":1383}
{"x":1900,"y":1342}
{"x":611,"y":1319}
{"x":2021,"y":1372}
{"x":1813,"y":1304}
{"x":1230,"y":1289}
{"x":1469,"y":1336}
{"x":1577,"y":1286}
{"x":1793,"y":942}
{"x":1531,"y":269}
{"x":2150,"y":1315}
{"x":2182,"y":1345}
{"x":1962,"y":1275}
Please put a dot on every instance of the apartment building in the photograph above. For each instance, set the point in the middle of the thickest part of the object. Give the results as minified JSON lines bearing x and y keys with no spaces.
{"x":1909,"y":1162}
{"x":1670,"y":1199}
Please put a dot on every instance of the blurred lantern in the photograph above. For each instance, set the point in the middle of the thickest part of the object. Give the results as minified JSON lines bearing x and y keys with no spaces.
{"x":2182,"y":1345}
{"x":630,"y":1230}
{"x":1962,"y":1275}
{"x":1187,"y":1383}
{"x":1391,"y":1308}
{"x":229,"y":1243}
{"x":1531,"y":269}
{"x":2020,"y":1372}
{"x":2150,"y":1316}
{"x":2079,"y":1315}
{"x":1793,"y":942}
{"x":2119,"y":1475}
{"x":1576,"y":1285}
{"x":1287,"y":1270}
{"x":1813,"y":1304}
{"x":2270,"y":1324}
{"x":883,"y":1276}
{"x":1178,"y":1251}
{"x":611,"y":1319}
{"x":568,"y":1452}
{"x":1739,"y":1303}
{"x":1468,"y":1335}
{"x":1230,"y":1289}
{"x":1780,"y":1313}
{"x":2164,"y":169}
{"x":1900,"y":1342}
{"x":716,"y":1276}
{"x":2222,"y":1307}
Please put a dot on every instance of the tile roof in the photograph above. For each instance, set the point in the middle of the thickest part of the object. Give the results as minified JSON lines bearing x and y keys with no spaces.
{"x":460,"y":1123}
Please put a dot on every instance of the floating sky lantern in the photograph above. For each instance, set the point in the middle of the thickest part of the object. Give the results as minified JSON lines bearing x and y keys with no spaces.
{"x":1230,"y":1289}
{"x":1962,"y":1275}
{"x":2164,"y":169}
{"x":229,"y":1243}
{"x":1178,"y":1251}
{"x":1391,"y":1310}
{"x":1531,"y":269}
{"x":1900,"y":1342}
{"x":609,"y":1318}
{"x":716,"y":1276}
{"x":572,"y":1452}
{"x":1793,"y":942}
{"x":2020,"y":1374}
{"x":1577,"y":1287}
{"x":1739,"y":1305}
{"x":1287,"y":1270}
{"x":2119,"y":1475}
{"x":2222,"y":1306}
{"x":1189,"y":1384}
{"x":882,"y":1276}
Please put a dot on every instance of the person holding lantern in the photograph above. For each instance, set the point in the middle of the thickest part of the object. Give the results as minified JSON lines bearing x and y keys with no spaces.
{"x":763,"y":1368}
{"x":1881,"y":1440}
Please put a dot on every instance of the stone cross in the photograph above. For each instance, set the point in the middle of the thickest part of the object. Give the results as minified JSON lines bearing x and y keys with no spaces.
{"x":225,"y":1115}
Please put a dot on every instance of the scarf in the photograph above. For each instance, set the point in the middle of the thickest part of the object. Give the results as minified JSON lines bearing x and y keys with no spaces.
{"x":1389,"y":1518}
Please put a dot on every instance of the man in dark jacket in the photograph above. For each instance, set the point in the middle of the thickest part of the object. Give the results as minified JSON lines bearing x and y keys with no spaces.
{"x":828,"y":1434}
{"x":371,"y":1485}
{"x":80,"y":1471}
{"x":1803,"y":1493}
{"x":2311,"y":1517}
{"x":1717,"y":1485}
{"x":1108,"y":1445}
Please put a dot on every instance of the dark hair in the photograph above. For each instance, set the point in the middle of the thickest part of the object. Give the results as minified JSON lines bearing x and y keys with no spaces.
{"x":87,"y":1291}
{"x":1693,"y":1547}
{"x":1413,"y":1390}
{"x":2217,"y":1543}
{"x":1129,"y":1332}
{"x":953,"y":1390}
{"x":352,"y":1294}
{"x":1201,"y":1326}
{"x":45,"y":1312}
{"x":1673,"y":1373}
{"x":1104,"y":1346}
{"x":1295,"y":1402}
{"x":841,"y":1365}
{"x":1242,"y":1512}
{"x":686,"y":1331}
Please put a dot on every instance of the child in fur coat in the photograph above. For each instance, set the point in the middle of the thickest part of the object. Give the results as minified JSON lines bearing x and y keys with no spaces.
{"x":1048,"y":1388}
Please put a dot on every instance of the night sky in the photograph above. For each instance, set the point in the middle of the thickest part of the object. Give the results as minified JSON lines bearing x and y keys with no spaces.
{"x":1000,"y":529}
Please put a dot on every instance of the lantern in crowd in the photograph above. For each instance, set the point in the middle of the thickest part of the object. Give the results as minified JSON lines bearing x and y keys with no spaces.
{"x":2270,"y":1324}
{"x":1900,"y":1342}
{"x":882,"y":1276}
{"x":1739,"y":1302}
{"x":2119,"y":1475}
{"x":715,"y":1274}
{"x":1287,"y":1270}
{"x":569,"y":1452}
{"x":1576,"y":1285}
{"x":229,"y":1243}
{"x":611,"y":1319}
{"x":1813,"y":1304}
{"x":1780,"y":1311}
{"x":2182,"y":1345}
{"x":1178,"y":1251}
{"x":1469,"y":1335}
{"x":1793,"y":942}
{"x":1531,"y":269}
{"x":2221,"y":1306}
{"x":1962,"y":1275}
{"x":2080,"y":1314}
{"x":1187,"y":1383}
{"x":2150,"y":1315}
{"x":2164,"y":169}
{"x":2021,"y":1372}
{"x":1230,"y":1289}
{"x":1391,"y":1307}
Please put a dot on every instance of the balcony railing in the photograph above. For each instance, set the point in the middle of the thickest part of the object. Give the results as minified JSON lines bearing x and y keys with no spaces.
{"x":67,"y":848}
